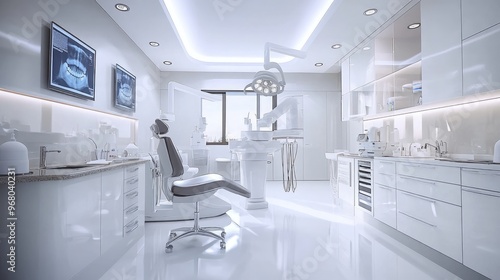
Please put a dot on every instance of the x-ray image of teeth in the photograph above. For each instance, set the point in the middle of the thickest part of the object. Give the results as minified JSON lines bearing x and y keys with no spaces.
{"x":125,"y":87}
{"x":73,"y":70}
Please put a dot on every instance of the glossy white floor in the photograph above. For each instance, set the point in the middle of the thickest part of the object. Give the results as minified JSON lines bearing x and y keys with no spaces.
{"x":301,"y":235}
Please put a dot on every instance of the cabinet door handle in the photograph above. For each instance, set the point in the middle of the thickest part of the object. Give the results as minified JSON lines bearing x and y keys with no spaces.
{"x":132,"y":194}
{"x":482,"y":192}
{"x":418,"y":180}
{"x":481,"y":173}
{"x":419,"y":166}
{"x":417,"y":219}
{"x":133,"y":181}
{"x":384,"y":187}
{"x":133,"y":169}
{"x":419,"y":197}
{"x":132,"y":210}
{"x":387,"y":162}
{"x":132,"y":227}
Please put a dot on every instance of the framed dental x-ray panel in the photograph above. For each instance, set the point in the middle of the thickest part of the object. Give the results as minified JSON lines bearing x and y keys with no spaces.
{"x":124,"y":89}
{"x":72,"y":64}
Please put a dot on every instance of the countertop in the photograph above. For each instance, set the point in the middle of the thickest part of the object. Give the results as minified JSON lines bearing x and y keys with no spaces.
{"x":37,"y":175}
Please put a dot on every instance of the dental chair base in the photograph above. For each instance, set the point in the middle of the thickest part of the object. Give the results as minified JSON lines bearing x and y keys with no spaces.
{"x":211,"y":207}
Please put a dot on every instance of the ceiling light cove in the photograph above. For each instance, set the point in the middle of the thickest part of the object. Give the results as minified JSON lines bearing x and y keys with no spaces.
{"x":220,"y":31}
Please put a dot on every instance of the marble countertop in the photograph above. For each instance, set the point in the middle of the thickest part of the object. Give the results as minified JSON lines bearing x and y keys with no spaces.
{"x":472,"y":164}
{"x":49,"y":174}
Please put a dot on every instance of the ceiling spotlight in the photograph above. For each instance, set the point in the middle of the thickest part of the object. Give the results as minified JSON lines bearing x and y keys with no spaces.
{"x":336,"y":46}
{"x":122,"y":7}
{"x":370,"y":12}
{"x":414,"y":25}
{"x":154,"y":44}
{"x":366,"y":48}
{"x":319,"y":64}
{"x":266,"y":82}
{"x":166,"y":62}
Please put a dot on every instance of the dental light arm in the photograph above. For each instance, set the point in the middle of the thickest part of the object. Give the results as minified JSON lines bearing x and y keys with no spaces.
{"x":288,"y":106}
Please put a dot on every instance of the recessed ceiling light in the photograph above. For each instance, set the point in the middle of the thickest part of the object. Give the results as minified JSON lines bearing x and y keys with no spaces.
{"x":154,"y":44}
{"x":122,"y":7}
{"x":366,"y":48}
{"x":370,"y":12}
{"x":166,"y":62}
{"x":414,"y":25}
{"x":319,"y":64}
{"x":336,"y":46}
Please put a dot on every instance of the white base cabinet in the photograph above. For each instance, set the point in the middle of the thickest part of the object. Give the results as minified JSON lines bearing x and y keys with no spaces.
{"x":384,"y":206}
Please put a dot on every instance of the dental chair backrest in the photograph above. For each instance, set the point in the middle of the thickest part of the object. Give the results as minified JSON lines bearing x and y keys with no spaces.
{"x":170,"y":161}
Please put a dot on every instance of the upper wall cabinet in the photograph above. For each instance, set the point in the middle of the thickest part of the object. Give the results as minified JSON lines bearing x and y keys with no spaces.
{"x":481,"y":71}
{"x":478,"y":15}
{"x":441,"y":50}
{"x":384,"y":74}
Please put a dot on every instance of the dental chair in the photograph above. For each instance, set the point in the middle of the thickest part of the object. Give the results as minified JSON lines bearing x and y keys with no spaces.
{"x":191,"y":190}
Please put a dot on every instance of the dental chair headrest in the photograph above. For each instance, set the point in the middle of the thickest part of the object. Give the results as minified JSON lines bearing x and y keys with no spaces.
{"x":159,"y":128}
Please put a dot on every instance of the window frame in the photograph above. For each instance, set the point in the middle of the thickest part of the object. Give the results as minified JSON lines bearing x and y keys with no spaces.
{"x":224,"y":141}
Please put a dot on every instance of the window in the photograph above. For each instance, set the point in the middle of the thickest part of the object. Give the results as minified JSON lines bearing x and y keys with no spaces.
{"x":225,"y":119}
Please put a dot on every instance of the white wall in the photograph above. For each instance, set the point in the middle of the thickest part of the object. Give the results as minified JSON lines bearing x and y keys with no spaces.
{"x":24,"y":43}
{"x":322,"y":87}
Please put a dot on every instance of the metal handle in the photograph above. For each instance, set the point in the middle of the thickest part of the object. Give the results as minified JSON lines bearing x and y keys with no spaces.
{"x":133,"y":181}
{"x":493,"y":173}
{"x":133,"y":170}
{"x":417,"y":219}
{"x":132,"y":227}
{"x":417,"y":196}
{"x":419,"y":165}
{"x":132,"y":194}
{"x":132,"y":210}
{"x":482,"y":192}
{"x":384,"y":187}
{"x":418,"y":180}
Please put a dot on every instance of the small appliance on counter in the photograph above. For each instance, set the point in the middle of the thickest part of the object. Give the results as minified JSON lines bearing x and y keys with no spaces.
{"x":13,"y":155}
{"x":369,"y":144}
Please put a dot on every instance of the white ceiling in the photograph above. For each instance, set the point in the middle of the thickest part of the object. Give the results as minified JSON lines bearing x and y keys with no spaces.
{"x":201,"y":32}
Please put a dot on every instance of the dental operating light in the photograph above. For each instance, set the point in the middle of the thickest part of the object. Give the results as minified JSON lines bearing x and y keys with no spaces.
{"x":266,"y":82}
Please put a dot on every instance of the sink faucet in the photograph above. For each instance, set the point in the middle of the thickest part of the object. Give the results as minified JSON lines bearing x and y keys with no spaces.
{"x":437,"y":148}
{"x":43,"y":156}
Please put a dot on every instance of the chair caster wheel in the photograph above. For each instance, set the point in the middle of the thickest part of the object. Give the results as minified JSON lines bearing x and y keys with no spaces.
{"x":223,"y":234}
{"x":169,"y":249}
{"x":223,"y":245}
{"x":173,"y":235}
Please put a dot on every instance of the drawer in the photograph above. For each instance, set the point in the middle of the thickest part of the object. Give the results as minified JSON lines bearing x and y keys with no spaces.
{"x":131,"y":171}
{"x":445,"y":174}
{"x":434,"y":223}
{"x":385,"y":179}
{"x":384,"y":205}
{"x":130,"y":184}
{"x":384,"y":166}
{"x":130,"y":213}
{"x":132,"y":197}
{"x":131,"y":227}
{"x":432,"y":189}
{"x":483,"y":179}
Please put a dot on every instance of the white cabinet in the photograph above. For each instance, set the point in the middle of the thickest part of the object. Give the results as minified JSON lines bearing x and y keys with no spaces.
{"x":111,"y":209}
{"x":429,"y":206}
{"x":481,"y":73}
{"x":481,"y":225}
{"x":384,"y":196}
{"x":478,"y":15}
{"x":441,"y":50}
{"x":131,"y":200}
{"x":345,"y":178}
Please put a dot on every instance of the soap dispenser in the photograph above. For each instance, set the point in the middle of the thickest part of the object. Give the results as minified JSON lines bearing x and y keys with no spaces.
{"x":496,"y":152}
{"x":14,"y":156}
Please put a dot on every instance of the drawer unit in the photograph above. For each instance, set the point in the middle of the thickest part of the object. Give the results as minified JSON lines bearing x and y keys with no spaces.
{"x":130,"y":184}
{"x":385,"y":173}
{"x":131,"y":227}
{"x":131,"y":213}
{"x":132,"y":171}
{"x":445,"y":174}
{"x":433,"y":189}
{"x":384,"y":205}
{"x":482,"y":179}
{"x":435,"y":223}
{"x":132,"y":197}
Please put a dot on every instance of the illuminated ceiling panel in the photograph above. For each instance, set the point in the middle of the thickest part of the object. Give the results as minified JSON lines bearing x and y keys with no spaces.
{"x":221,"y":31}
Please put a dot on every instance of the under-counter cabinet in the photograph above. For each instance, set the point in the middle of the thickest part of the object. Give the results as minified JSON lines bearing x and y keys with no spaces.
{"x":481,"y":224}
{"x":345,"y":177}
{"x":384,"y":194}
{"x":111,"y":209}
{"x":429,"y":206}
